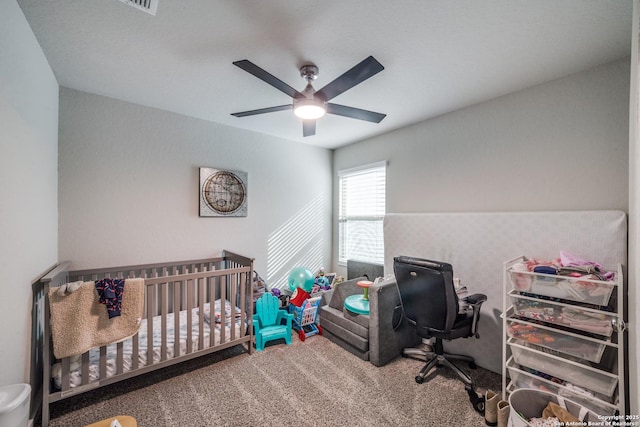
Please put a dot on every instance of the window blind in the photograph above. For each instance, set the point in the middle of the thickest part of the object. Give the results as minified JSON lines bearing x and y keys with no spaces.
{"x":361,"y":213}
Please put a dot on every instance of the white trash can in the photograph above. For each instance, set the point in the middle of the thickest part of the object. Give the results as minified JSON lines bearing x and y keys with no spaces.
{"x":527,"y":403}
{"x":14,"y":405}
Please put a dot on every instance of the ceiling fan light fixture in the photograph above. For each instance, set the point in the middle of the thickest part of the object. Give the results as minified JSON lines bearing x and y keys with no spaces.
{"x":310,"y":105}
{"x":309,"y":109}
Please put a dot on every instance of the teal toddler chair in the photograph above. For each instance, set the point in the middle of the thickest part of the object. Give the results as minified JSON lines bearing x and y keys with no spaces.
{"x":268,"y":321}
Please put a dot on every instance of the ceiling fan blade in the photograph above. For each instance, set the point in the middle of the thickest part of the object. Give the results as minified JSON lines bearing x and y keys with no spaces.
{"x":308,"y":127}
{"x":263,"y":110}
{"x":355,"y":113}
{"x":252,"y":68}
{"x":361,"y":72}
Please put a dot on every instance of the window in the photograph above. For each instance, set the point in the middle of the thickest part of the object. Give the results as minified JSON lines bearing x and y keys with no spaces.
{"x":361,"y":212}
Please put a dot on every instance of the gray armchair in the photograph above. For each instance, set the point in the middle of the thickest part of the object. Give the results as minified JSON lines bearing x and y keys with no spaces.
{"x":370,"y":337}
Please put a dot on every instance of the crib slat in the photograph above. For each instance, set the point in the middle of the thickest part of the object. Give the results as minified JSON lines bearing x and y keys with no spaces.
{"x":190,"y":295}
{"x":119,"y":358}
{"x":135,"y":358}
{"x":249,"y":318}
{"x":151,"y":308}
{"x":102,"y":364}
{"x":65,"y":374}
{"x":85,"y":368}
{"x":164,"y":288}
{"x":223,"y":312}
{"x":246,"y":300}
{"x":177,"y":301}
{"x":177,"y":289}
{"x":201,"y":290}
{"x":212,"y":321}
{"x":233,"y":298}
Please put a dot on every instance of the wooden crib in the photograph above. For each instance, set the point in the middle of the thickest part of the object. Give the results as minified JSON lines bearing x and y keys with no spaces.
{"x":191,"y":308}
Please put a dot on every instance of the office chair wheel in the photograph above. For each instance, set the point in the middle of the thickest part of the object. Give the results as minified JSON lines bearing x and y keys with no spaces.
{"x":419,"y":379}
{"x":479,"y":406}
{"x":476,"y":400}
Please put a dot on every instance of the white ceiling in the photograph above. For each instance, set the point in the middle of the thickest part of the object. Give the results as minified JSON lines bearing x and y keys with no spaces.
{"x":439,"y":55}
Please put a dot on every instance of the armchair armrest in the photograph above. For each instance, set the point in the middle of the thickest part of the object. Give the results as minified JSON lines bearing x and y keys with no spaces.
{"x":283,"y":315}
{"x":342,"y":290}
{"x":475,"y":299}
{"x":257,"y":321}
{"x":326,"y":297}
{"x":387,"y":339}
{"x":475,"y":302}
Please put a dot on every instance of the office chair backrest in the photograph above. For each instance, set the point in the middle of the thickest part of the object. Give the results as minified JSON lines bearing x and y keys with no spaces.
{"x":427,"y":293}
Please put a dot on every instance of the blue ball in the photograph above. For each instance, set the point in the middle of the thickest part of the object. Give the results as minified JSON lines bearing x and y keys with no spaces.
{"x":301,"y":277}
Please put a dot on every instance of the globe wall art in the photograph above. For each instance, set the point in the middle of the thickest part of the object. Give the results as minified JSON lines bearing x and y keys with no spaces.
{"x":223,"y":192}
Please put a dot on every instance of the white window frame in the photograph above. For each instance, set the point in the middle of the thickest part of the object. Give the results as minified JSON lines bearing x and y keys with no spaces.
{"x":374,"y":213}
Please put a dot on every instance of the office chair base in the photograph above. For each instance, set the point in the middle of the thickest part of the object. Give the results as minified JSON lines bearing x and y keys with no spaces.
{"x":426,"y":356}
{"x":441,"y":360}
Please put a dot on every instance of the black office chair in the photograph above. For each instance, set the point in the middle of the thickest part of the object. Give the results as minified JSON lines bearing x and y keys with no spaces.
{"x":430,"y":305}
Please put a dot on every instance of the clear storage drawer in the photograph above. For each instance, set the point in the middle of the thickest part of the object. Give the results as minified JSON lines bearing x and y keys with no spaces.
{"x":523,"y":379}
{"x":573,"y":373}
{"x":563,"y":287}
{"x":556,"y":341}
{"x":580,"y":318}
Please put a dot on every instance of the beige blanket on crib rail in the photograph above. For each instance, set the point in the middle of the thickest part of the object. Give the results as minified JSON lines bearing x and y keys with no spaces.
{"x":79,"y":322}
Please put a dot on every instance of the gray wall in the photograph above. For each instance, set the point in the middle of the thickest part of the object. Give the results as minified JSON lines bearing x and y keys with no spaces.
{"x":562,"y":145}
{"x":129,"y":190}
{"x":28,"y":184}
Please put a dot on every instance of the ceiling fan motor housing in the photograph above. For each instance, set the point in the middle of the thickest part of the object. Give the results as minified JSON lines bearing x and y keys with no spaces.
{"x":309,"y":72}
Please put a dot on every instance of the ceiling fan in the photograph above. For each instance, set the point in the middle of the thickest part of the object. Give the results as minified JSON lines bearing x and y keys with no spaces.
{"x":310,"y":104}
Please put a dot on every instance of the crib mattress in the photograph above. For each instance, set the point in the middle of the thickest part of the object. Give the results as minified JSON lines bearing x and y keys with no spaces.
{"x":75,"y":375}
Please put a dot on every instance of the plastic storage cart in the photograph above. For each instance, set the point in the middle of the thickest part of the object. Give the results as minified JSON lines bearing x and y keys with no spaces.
{"x":305,"y":318}
{"x":565,"y":335}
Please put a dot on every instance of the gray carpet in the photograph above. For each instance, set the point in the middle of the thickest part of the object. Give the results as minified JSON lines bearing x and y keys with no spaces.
{"x":311,"y":383}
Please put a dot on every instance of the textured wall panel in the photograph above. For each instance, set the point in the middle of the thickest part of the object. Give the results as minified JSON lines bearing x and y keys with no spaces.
{"x":477,"y":245}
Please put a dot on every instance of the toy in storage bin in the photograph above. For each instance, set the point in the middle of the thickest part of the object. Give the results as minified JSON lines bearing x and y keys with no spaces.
{"x":527,"y":404}
{"x":305,"y":318}
{"x":565,"y":334}
{"x":581,"y":290}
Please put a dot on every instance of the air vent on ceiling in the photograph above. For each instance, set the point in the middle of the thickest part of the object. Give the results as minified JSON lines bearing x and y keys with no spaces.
{"x":149,"y":6}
